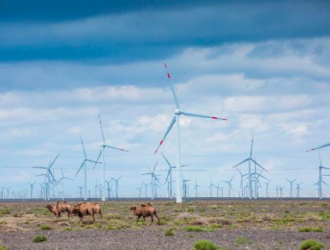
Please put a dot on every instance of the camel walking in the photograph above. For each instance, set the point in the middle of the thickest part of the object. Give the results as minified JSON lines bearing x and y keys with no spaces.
{"x":145,"y":211}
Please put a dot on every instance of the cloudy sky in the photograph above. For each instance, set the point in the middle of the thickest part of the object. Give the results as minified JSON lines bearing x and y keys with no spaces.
{"x":264,"y":65}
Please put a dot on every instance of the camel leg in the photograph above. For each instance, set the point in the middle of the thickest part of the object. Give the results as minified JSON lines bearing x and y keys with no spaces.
{"x":152,"y":219}
{"x":158,"y":219}
{"x":138,"y":218}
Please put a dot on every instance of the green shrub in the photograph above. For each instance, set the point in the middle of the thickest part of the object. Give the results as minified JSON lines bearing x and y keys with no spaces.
{"x":194,"y":229}
{"x":39,"y":238}
{"x":311,"y":245}
{"x":3,"y":247}
{"x":205,"y":245}
{"x":240,"y":240}
{"x":46,"y":227}
{"x":169,"y":232}
{"x":4,"y":211}
{"x":311,"y":229}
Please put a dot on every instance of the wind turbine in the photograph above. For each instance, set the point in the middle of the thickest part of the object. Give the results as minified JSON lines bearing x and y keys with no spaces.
{"x":48,"y":177}
{"x":146,"y":188}
{"x":109,"y":188}
{"x":61,"y":180}
{"x":211,"y":188}
{"x":242,"y":182}
{"x":298,"y":189}
{"x":249,"y":175}
{"x":229,"y":185}
{"x":217,"y":188}
{"x":196,"y":187}
{"x":152,"y":174}
{"x":176,"y":119}
{"x":31,"y":187}
{"x":139,"y":191}
{"x":267,"y":188}
{"x":80,"y":190}
{"x":116,"y":184}
{"x":281,"y":191}
{"x":291,"y":182}
{"x":84,"y":164}
{"x":103,"y":146}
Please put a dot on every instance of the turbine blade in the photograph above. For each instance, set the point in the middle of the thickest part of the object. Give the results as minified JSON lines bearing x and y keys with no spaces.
{"x":82,"y":143}
{"x":101,"y":129}
{"x":40,"y":167}
{"x":155,"y":167}
{"x":168,"y":163}
{"x":258,"y":164}
{"x":80,"y":168}
{"x":203,"y":116}
{"x":172,"y":88}
{"x":168,"y":174}
{"x":241,"y":162}
{"x":54,"y":161}
{"x":96,"y":162}
{"x":166,"y":133}
{"x":323,"y":146}
{"x":98,"y":158}
{"x":116,"y":148}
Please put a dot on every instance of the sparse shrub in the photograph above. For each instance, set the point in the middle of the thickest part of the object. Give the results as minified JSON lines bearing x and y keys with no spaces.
{"x":3,"y":222}
{"x":311,"y":229}
{"x":190,"y":210}
{"x":4,"y":211}
{"x":311,"y":245}
{"x":46,"y":227}
{"x":39,"y":238}
{"x":3,"y":247}
{"x":194,"y":229}
{"x":169,"y":232}
{"x":286,"y":211}
{"x":197,"y":222}
{"x":205,"y":245}
{"x":240,"y":240}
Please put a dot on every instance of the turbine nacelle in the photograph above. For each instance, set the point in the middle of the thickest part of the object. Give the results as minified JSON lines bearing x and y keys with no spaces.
{"x":178,"y":112}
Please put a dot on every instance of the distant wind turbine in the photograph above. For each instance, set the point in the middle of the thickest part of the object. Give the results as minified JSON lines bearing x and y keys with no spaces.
{"x":103,"y":146}
{"x":249,"y":174}
{"x":176,"y":119}
{"x":84,"y":164}
{"x":291,"y":182}
{"x":298,"y":189}
{"x":116,"y":185}
{"x":229,"y":185}
{"x":31,"y":188}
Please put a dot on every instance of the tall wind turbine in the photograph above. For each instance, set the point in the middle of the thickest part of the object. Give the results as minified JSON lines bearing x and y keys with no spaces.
{"x":229,"y":185}
{"x":116,"y":185}
{"x":153,"y":177}
{"x":146,"y":189}
{"x":298,"y":189}
{"x":80,"y":191}
{"x":169,"y":176}
{"x":103,"y":146}
{"x":31,"y":187}
{"x":249,"y":174}
{"x":84,"y":164}
{"x":109,"y":188}
{"x":176,"y":119}
{"x":291,"y":182}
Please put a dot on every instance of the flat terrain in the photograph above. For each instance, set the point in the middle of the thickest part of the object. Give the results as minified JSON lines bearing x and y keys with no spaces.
{"x":230,"y":224}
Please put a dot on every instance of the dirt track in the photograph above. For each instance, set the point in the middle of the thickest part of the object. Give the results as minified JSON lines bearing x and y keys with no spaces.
{"x":94,"y":239}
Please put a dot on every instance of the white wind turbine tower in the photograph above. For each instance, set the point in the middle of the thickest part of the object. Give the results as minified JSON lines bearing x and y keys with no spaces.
{"x":176,"y":119}
{"x":249,"y":174}
{"x":84,"y":164}
{"x":153,"y":177}
{"x":31,"y":188}
{"x":196,"y":187}
{"x":291,"y":182}
{"x":103,"y":146}
{"x":242,"y":182}
{"x":267,"y":188}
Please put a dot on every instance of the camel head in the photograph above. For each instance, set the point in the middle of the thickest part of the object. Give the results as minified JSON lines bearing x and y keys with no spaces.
{"x":49,"y":207}
{"x":133,"y":208}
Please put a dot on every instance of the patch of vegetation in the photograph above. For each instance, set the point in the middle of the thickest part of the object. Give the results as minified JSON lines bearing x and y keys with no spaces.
{"x":3,"y":222}
{"x":205,"y":245}
{"x":194,"y":229}
{"x":311,"y":245}
{"x":169,"y":232}
{"x":3,"y":247}
{"x":39,"y":238}
{"x":240,"y":240}
{"x":4,"y":211}
{"x":311,"y":229}
{"x":46,"y":227}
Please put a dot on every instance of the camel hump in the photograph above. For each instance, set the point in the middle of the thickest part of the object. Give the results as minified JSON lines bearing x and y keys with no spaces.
{"x":142,"y":205}
{"x":95,"y":203}
{"x":64,"y":202}
{"x":149,"y":204}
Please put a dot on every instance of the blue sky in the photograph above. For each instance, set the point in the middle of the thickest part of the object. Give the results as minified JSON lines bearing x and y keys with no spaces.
{"x":264,"y":65}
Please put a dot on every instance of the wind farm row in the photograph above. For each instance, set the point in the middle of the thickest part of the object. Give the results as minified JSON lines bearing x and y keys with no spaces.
{"x":251,"y":180}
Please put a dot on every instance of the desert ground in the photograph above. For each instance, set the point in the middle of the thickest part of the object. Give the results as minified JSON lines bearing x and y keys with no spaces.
{"x":230,"y":224}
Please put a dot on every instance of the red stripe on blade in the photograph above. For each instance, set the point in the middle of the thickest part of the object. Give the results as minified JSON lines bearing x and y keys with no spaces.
{"x":165,"y":65}
{"x":168,"y":75}
{"x":161,"y":142}
{"x":215,"y":118}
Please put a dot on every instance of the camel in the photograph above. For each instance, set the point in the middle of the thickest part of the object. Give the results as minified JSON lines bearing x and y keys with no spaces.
{"x":97,"y":210}
{"x":145,"y":211}
{"x":59,"y":208}
{"x":82,"y":209}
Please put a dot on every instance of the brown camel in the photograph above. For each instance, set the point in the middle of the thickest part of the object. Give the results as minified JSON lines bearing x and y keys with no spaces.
{"x":59,"y":208}
{"x":97,"y":210}
{"x":82,"y":209}
{"x":145,"y":211}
